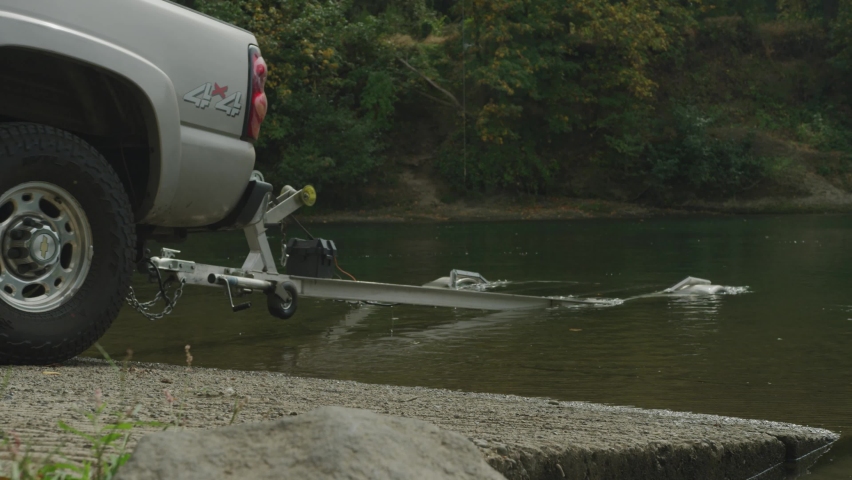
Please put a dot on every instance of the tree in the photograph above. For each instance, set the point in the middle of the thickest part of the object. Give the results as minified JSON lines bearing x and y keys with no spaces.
{"x":332,"y":89}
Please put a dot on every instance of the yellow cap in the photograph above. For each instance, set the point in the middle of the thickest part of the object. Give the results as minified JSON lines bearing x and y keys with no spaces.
{"x":308,"y":195}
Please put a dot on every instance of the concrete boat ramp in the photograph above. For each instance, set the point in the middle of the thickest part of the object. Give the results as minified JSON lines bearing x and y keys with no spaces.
{"x":523,"y":438}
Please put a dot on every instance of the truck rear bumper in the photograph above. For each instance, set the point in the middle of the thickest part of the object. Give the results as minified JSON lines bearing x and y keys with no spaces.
{"x":214,"y":174}
{"x":249,"y":205}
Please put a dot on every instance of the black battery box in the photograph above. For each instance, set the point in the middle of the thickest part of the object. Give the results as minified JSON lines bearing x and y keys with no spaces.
{"x":311,"y":258}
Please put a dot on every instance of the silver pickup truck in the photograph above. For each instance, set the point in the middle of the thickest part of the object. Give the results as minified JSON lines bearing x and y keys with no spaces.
{"x":120,"y":120}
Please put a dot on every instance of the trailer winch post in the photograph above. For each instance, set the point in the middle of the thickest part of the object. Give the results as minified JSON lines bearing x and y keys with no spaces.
{"x":260,"y":256}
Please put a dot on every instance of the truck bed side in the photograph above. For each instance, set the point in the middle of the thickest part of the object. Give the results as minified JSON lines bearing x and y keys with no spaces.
{"x":193,"y":73}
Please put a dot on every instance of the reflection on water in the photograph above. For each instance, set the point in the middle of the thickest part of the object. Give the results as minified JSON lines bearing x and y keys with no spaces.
{"x":779,"y":352}
{"x":696,"y":316}
{"x":351,"y":320}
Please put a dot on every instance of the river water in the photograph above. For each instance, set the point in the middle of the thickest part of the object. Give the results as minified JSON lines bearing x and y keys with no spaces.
{"x":781,"y":350}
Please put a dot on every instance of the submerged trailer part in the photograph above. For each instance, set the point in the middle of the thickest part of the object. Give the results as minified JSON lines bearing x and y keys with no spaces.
{"x":458,"y":279}
{"x":694,"y":286}
{"x":309,"y":267}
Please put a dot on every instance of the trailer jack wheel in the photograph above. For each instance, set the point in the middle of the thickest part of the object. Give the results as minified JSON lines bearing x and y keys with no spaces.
{"x":280,"y":307}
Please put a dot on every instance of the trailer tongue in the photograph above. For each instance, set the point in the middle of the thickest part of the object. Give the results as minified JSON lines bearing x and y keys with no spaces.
{"x":314,"y":260}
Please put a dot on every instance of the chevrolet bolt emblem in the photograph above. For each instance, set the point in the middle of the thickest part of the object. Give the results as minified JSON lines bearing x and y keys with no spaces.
{"x":44,"y":247}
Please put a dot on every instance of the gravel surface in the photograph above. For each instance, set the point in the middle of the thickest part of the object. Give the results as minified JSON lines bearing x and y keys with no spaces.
{"x":520,"y":437}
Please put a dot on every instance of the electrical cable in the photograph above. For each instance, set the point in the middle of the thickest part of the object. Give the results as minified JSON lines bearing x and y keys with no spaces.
{"x":160,"y":283}
{"x":344,"y":271}
{"x":301,"y":226}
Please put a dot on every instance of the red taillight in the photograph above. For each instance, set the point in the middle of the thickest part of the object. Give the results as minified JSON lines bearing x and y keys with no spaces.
{"x":257,"y":104}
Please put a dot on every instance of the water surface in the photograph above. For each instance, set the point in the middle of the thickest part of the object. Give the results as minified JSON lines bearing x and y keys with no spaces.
{"x":782,"y":352}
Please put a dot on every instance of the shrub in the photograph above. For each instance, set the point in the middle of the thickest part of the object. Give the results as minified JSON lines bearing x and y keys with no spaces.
{"x":704,"y":163}
{"x":822,"y":133}
{"x":514,"y":165}
{"x":332,"y":88}
{"x":841,"y":38}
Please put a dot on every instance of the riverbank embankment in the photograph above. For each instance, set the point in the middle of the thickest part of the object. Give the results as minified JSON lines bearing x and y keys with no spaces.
{"x":523,"y":438}
{"x":823,"y":199}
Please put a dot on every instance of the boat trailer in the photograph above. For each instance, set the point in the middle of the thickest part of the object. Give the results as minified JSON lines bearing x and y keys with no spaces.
{"x":259,"y":273}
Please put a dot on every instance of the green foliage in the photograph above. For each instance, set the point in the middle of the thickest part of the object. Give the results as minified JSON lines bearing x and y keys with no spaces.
{"x":567,"y":65}
{"x":539,"y":88}
{"x":108,"y":435}
{"x":328,"y":145}
{"x":108,"y":447}
{"x":824,"y":134}
{"x":104,"y":438}
{"x":740,"y":8}
{"x":403,"y":16}
{"x":378,"y":99}
{"x":731,"y":33}
{"x":841,"y":37}
{"x":514,"y":165}
{"x":801,"y":9}
{"x":696,"y":160}
{"x":332,"y":88}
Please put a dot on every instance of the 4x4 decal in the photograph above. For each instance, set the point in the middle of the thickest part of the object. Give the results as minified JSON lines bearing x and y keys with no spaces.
{"x":203,"y":95}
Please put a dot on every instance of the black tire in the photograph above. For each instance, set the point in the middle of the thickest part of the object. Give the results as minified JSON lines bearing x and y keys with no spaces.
{"x":281,"y":308}
{"x":37,"y":153}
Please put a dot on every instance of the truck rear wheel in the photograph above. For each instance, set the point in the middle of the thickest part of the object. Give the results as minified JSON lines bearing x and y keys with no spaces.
{"x":66,"y":244}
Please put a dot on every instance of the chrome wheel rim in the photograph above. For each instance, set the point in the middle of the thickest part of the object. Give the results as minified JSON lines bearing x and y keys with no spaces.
{"x":45,"y":247}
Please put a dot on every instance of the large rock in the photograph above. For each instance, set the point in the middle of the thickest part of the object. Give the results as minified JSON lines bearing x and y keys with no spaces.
{"x":326,"y":443}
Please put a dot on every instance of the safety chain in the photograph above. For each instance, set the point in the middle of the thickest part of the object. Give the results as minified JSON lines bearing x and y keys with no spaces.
{"x":283,"y":259}
{"x":144,"y":307}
